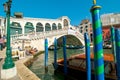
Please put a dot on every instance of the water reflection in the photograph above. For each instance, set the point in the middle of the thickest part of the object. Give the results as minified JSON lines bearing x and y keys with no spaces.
{"x":38,"y":65}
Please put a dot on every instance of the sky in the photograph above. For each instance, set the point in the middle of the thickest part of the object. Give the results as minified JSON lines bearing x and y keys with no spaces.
{"x":76,"y":10}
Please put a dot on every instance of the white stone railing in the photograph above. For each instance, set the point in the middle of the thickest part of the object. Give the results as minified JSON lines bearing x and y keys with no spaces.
{"x":40,"y":35}
{"x":47,"y":34}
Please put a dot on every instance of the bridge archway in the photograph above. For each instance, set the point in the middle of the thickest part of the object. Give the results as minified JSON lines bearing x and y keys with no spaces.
{"x":54,"y":27}
{"x":65,"y":23}
{"x":15,"y":28}
{"x":70,"y":40}
{"x":47,"y":27}
{"x":39,"y":27}
{"x":29,"y":28}
{"x":59,"y":26}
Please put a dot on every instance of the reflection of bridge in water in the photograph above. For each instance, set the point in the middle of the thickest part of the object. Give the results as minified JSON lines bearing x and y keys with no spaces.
{"x":37,"y":39}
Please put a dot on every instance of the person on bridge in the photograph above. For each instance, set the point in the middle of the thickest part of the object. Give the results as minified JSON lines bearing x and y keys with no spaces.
{"x":1,"y":43}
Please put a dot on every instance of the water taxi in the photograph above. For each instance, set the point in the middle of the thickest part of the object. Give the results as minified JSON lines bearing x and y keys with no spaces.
{"x":76,"y":66}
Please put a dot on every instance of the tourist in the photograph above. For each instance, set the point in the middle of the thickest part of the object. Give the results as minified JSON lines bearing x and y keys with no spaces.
{"x":1,"y":43}
{"x":19,"y":48}
{"x":4,"y":39}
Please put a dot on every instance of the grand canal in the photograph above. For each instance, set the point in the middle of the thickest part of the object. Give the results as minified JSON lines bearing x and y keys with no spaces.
{"x":38,"y":65}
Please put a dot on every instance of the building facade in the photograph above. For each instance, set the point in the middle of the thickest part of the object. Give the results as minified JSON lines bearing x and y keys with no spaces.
{"x":2,"y":25}
{"x":25,"y":25}
{"x":108,"y":21}
{"x":85,"y":27}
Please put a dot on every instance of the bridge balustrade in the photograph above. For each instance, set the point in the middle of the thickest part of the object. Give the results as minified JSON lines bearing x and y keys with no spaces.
{"x":40,"y":34}
{"x":47,"y":34}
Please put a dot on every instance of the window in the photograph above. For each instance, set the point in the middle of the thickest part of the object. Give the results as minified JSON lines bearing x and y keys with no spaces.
{"x":81,"y":27}
{"x":81,"y":31}
{"x":0,"y":22}
{"x":86,"y":26}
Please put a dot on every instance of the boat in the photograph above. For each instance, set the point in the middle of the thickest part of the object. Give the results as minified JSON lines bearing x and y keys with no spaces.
{"x":107,"y":46}
{"x":76,"y":66}
{"x":52,"y":47}
{"x":74,"y":47}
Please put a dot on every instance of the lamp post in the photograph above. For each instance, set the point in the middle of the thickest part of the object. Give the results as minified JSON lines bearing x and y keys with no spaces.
{"x":8,"y":68}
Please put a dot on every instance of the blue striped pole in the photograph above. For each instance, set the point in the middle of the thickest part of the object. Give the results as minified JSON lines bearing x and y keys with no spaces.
{"x":55,"y":54}
{"x":87,"y":52}
{"x":98,"y":42}
{"x":65,"y":55}
{"x":117,"y":39}
{"x":113,"y":43}
{"x":46,"y":55}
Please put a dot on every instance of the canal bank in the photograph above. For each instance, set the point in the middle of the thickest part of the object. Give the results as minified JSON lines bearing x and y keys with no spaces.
{"x":23,"y":73}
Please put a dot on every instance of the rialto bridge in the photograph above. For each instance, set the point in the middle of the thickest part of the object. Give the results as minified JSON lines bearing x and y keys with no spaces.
{"x":33,"y":31}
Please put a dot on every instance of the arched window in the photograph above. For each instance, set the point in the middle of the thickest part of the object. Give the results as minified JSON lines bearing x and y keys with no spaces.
{"x":15,"y":24}
{"x":86,"y":26}
{"x":81,"y":27}
{"x":54,"y":27}
{"x":15,"y":28}
{"x":81,"y":31}
{"x":39,"y":27}
{"x":59,"y":26}
{"x":29,"y":28}
{"x":65,"y":23}
{"x":47,"y":27}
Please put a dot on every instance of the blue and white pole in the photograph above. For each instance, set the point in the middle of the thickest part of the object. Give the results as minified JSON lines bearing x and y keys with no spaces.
{"x":87,"y":52}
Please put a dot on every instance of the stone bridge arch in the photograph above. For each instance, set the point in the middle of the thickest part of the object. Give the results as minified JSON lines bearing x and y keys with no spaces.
{"x":81,"y":42}
{"x":37,"y":39}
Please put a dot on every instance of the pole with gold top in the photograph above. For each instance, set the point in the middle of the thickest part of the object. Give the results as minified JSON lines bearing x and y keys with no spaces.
{"x":98,"y":43}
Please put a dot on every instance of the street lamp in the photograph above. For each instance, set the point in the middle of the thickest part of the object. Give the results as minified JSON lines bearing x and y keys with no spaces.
{"x":8,"y":68}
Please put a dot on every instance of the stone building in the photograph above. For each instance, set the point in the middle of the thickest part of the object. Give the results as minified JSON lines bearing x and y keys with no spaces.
{"x":2,"y":26}
{"x":24,"y":25}
{"x":85,"y":27}
{"x":109,"y":20}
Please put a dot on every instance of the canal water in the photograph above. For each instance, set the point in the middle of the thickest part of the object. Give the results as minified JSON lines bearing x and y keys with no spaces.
{"x":38,"y":65}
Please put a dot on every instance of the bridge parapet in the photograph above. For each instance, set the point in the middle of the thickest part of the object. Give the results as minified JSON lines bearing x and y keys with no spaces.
{"x":33,"y":39}
{"x":39,"y":35}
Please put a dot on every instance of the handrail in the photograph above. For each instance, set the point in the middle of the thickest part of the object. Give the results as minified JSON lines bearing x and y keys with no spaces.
{"x":39,"y":34}
{"x":43,"y":35}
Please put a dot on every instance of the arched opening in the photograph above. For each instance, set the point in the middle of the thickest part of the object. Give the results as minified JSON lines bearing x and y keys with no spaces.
{"x":15,"y":28}
{"x":59,"y":26}
{"x":65,"y":22}
{"x":29,"y":28}
{"x":47,"y":27}
{"x":54,"y":27}
{"x":39,"y":27}
{"x":70,"y":40}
